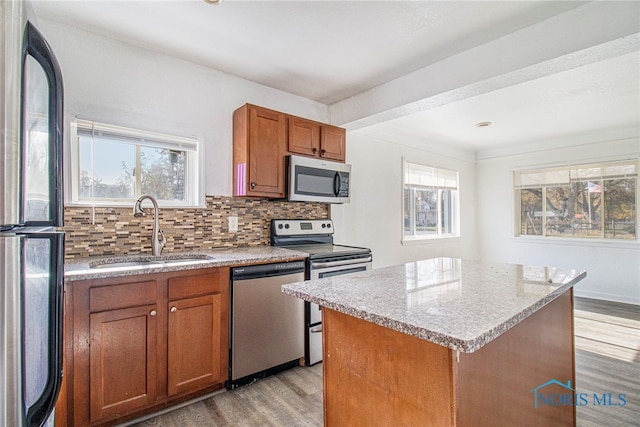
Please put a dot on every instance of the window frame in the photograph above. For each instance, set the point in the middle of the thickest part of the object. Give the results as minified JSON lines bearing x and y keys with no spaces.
{"x":192,"y":147}
{"x":569,"y":170}
{"x":454,"y":206}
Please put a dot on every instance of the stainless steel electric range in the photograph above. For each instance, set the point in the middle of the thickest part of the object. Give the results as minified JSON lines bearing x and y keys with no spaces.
{"x":315,"y":237}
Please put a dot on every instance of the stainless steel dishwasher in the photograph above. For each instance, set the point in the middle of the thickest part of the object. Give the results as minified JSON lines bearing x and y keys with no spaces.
{"x":266,"y":326}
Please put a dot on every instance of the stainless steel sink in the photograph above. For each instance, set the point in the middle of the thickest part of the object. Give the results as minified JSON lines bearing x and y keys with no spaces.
{"x":136,"y":261}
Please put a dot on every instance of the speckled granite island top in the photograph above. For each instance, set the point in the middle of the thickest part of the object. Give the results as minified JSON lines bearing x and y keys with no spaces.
{"x":105,"y":267}
{"x":455,"y":303}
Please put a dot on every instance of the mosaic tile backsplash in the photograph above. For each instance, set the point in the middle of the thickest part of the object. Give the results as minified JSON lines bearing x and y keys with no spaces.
{"x":115,"y":231}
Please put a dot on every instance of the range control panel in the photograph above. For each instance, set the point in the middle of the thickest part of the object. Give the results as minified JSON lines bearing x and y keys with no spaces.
{"x":300,"y":227}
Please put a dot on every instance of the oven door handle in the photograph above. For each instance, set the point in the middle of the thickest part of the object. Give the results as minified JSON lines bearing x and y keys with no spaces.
{"x":338,"y":263}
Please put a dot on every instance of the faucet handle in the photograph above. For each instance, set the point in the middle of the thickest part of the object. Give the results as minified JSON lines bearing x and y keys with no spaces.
{"x":161,"y":238}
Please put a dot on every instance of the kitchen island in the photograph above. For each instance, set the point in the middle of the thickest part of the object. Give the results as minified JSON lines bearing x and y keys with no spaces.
{"x":445,"y":342}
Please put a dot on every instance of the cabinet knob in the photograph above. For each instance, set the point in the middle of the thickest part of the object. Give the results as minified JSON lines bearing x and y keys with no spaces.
{"x":315,"y":150}
{"x":174,"y":309}
{"x":253,"y":185}
{"x":153,"y":313}
{"x":323,"y":152}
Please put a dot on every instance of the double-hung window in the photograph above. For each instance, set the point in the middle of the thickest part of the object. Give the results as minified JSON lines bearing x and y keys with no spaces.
{"x":583,"y":201}
{"x":112,"y":165}
{"x":430,"y":202}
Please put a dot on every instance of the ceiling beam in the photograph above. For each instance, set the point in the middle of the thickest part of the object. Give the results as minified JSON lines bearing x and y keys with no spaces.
{"x":591,"y":33}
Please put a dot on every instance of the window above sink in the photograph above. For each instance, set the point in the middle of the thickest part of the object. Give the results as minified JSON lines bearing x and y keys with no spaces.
{"x":113,"y":165}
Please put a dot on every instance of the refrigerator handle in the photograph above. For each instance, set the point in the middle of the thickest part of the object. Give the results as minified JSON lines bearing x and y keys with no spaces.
{"x":36,"y":46}
{"x":40,"y":411}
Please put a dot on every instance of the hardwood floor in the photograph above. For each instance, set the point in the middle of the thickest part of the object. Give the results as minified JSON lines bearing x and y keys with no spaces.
{"x":607,"y":361}
{"x":290,"y":398}
{"x":607,"y":339}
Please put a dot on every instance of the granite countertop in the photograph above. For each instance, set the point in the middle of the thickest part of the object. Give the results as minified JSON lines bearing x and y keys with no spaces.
{"x":81,"y":269}
{"x":455,"y":303}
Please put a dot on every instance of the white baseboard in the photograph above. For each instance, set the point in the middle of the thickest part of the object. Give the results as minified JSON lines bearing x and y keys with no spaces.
{"x":605,"y":296}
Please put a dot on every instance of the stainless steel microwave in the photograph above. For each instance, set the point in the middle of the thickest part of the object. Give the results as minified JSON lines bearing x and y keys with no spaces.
{"x":318,"y":180}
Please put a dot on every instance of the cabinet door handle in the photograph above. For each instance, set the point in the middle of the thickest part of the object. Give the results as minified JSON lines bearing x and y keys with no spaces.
{"x":174,"y":309}
{"x":153,"y":313}
{"x":253,"y":185}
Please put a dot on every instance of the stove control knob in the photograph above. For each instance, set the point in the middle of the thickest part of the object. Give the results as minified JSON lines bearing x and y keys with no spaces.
{"x":286,"y":226}
{"x":329,"y":225}
{"x":324,"y":225}
{"x":280,"y":226}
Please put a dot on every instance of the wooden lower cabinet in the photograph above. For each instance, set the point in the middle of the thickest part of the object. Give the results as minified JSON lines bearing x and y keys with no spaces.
{"x":122,"y":361}
{"x":137,"y":344}
{"x":194,"y":357}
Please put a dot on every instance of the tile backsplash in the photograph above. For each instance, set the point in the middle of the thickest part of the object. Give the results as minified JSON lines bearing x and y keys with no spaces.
{"x":115,"y":231}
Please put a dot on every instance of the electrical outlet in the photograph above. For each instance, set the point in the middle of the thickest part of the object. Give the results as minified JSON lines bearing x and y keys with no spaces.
{"x":233,"y":224}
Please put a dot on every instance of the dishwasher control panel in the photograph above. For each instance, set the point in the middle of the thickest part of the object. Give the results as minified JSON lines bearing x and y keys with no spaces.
{"x":275,"y":269}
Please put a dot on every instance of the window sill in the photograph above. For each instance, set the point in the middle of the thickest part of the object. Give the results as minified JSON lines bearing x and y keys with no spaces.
{"x":572,"y":241}
{"x":430,"y":240}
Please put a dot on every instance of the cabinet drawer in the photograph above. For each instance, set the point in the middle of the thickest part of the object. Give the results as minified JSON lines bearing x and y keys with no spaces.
{"x":197,"y":284}
{"x":122,"y":296}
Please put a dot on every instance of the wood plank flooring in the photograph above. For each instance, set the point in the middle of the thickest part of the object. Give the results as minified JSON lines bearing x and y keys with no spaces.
{"x":607,"y":339}
{"x":289,"y":398}
{"x":607,"y":361}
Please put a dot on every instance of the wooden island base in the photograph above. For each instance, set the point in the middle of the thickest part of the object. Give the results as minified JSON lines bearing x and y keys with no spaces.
{"x":375,"y":376}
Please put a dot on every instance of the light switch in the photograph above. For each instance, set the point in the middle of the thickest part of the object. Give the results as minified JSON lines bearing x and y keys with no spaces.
{"x":233,"y":224}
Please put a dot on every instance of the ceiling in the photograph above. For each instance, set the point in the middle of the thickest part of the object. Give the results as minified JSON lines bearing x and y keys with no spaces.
{"x":330,"y":51}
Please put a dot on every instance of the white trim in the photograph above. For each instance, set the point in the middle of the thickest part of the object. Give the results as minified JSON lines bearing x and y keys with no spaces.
{"x":147,"y":138}
{"x":194,"y":164}
{"x":625,"y":299}
{"x":632,"y":244}
{"x":428,"y":238}
{"x":570,"y":168}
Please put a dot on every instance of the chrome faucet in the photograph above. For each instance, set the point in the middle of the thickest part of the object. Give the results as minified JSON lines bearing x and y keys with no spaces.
{"x":158,"y":241}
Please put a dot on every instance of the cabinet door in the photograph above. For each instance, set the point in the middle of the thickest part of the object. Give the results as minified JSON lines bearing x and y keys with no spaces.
{"x":196,"y":341}
{"x":304,"y":137}
{"x":266,"y":152}
{"x":122,"y":361}
{"x":333,"y":143}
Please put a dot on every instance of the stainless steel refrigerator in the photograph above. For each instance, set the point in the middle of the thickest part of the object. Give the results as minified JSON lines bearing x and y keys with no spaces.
{"x":31,"y":212}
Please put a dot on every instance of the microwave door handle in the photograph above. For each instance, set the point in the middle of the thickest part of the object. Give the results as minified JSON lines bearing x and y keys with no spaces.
{"x":336,"y":184}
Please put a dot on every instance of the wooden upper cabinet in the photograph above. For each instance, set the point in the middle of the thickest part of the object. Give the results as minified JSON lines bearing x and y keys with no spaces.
{"x":304,"y":137}
{"x":333,"y":143}
{"x":309,"y":138}
{"x":263,"y":137}
{"x":259,"y":146}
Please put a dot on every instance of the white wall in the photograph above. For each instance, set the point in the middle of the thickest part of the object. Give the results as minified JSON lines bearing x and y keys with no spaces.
{"x":109,"y":81}
{"x":374,"y":217}
{"x":113,"y":82}
{"x":613,"y":268}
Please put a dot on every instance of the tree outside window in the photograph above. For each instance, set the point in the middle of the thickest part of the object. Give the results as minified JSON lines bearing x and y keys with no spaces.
{"x":117,"y":165}
{"x":429,"y":202}
{"x":588,"y":201}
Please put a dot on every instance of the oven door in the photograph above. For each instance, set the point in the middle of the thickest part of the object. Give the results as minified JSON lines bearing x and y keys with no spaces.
{"x":330,"y":269}
{"x":321,"y":269}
